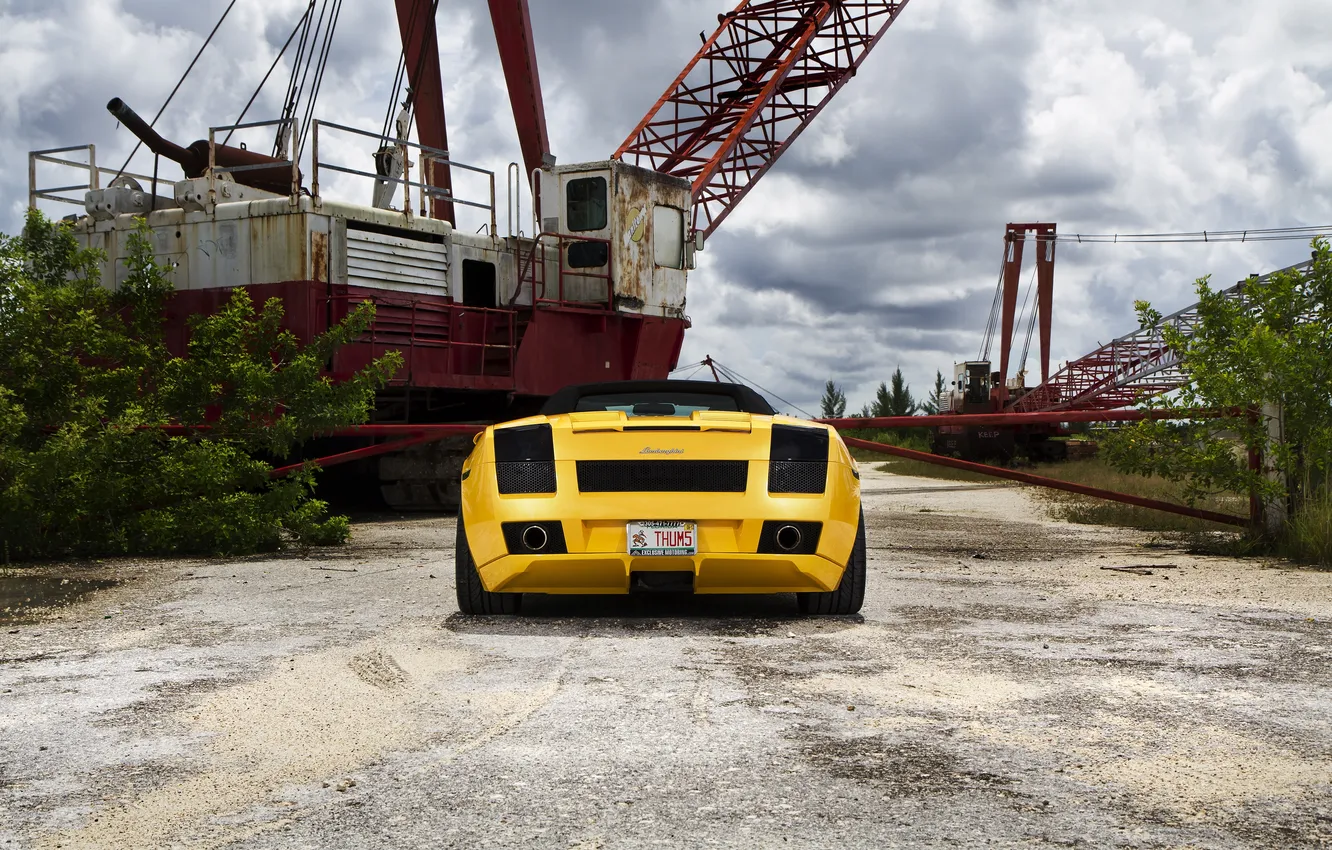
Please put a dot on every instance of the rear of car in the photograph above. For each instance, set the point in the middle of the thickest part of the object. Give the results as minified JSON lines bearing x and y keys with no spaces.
{"x":668,"y":485}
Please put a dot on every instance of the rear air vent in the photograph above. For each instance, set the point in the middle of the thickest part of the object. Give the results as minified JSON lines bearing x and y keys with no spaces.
{"x":662,"y":476}
{"x":798,"y":460}
{"x":525,"y":459}
{"x":525,"y":477}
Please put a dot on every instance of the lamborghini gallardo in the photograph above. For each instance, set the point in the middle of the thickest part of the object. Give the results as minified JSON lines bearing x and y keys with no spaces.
{"x":667,"y":486}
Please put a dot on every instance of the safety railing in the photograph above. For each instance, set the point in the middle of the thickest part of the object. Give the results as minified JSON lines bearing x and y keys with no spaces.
{"x":430,"y":157}
{"x":411,"y":324}
{"x":292,"y":161}
{"x":54,"y":193}
{"x":532,"y":272}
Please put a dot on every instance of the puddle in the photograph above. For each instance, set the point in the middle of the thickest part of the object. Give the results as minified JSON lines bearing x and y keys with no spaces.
{"x":23,"y":596}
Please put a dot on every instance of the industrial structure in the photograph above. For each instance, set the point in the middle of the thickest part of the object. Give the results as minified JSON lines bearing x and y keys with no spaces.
{"x":489,"y":323}
{"x":1127,"y":371}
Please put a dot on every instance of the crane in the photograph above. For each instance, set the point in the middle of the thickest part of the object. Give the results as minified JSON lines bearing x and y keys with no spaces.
{"x":489,"y":323}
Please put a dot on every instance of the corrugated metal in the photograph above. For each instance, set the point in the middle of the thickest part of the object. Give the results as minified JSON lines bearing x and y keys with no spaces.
{"x":391,"y":262}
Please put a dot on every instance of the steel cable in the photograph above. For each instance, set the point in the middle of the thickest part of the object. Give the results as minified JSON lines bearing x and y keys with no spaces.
{"x":179,"y":83}
{"x":271,"y":68}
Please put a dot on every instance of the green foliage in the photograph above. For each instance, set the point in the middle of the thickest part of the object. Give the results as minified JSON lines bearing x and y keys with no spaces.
{"x":897,"y":401}
{"x":833,"y":403}
{"x":931,"y":405}
{"x":1273,"y":348}
{"x":85,"y":379}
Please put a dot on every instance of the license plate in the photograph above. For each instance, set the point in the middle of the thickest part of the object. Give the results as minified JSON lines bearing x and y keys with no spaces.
{"x":662,"y":538}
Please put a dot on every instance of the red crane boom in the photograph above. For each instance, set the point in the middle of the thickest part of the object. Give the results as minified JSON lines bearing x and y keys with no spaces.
{"x":517,"y":52}
{"x":755,"y":85}
{"x":420,"y":47}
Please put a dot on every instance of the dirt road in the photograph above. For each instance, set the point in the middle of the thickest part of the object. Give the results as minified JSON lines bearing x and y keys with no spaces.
{"x":1001,"y":689}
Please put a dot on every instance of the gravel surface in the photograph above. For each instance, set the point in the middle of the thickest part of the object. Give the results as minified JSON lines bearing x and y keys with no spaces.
{"x":1001,"y":689}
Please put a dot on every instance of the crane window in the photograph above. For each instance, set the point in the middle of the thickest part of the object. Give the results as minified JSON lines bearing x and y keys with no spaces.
{"x":668,"y":237}
{"x":585,"y":200}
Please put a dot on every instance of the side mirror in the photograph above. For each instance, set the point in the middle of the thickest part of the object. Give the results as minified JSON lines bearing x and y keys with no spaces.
{"x":699,"y":239}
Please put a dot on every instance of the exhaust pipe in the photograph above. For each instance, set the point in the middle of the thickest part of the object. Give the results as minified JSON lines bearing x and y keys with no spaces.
{"x":194,"y":159}
{"x":535,"y":538}
{"x":150,"y":137}
{"x":788,"y":537}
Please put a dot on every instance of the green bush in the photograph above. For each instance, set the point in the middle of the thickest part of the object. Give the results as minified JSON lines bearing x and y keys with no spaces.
{"x":86,"y":379}
{"x":1272,"y":350}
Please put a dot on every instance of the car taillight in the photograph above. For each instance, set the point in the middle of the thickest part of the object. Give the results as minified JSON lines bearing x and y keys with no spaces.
{"x":525,"y":459}
{"x":798,"y":460}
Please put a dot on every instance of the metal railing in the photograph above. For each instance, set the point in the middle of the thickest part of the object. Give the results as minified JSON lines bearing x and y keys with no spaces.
{"x":532,"y":272}
{"x":36,"y":193}
{"x":292,"y":160}
{"x":433,"y":325}
{"x":430,"y":157}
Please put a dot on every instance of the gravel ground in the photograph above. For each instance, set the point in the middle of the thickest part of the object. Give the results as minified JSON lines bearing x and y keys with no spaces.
{"x":1001,"y":689}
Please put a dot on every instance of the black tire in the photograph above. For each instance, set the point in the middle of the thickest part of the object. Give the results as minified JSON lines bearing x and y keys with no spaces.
{"x":473,"y":598}
{"x":850,"y":592}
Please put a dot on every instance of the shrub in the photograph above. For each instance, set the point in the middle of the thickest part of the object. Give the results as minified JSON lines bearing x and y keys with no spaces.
{"x":86,"y":381}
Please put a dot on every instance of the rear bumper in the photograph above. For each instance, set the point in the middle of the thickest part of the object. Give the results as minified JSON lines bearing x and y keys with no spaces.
{"x":586,"y":572}
{"x":729,"y":530}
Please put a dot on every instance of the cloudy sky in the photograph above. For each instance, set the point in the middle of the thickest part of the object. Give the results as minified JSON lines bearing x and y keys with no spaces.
{"x":876,"y":241}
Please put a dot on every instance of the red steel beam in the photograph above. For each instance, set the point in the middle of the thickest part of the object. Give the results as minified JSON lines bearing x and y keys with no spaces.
{"x":348,"y":431}
{"x":1014,"y":239}
{"x":1045,"y":260}
{"x":1052,"y":418}
{"x":357,"y":454}
{"x":517,"y":52}
{"x":420,"y":45}
{"x":1052,"y":483}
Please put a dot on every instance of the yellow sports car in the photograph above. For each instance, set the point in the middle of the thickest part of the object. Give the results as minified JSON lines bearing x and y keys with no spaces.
{"x":635,"y":486}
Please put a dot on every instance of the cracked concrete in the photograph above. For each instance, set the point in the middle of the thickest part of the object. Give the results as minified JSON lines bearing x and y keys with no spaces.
{"x":1025,"y":697}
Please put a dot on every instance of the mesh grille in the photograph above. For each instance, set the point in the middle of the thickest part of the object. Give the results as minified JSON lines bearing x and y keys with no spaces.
{"x":536,"y":476}
{"x":662,"y":476}
{"x":797,"y":476}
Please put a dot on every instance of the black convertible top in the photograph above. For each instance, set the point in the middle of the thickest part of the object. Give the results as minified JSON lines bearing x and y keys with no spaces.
{"x":745,"y":399}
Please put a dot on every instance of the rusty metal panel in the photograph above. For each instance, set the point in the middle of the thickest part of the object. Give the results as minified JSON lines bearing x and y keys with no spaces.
{"x":279,"y":249}
{"x":642,"y":285}
{"x":319,"y":256}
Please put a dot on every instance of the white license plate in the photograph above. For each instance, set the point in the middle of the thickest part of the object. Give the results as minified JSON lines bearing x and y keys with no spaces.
{"x":662,"y":538}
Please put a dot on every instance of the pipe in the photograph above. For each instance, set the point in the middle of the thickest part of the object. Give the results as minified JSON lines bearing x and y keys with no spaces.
{"x":150,"y":137}
{"x":1052,"y":483}
{"x":1044,"y":418}
{"x":535,"y":538}
{"x":788,"y":537}
{"x":194,"y":158}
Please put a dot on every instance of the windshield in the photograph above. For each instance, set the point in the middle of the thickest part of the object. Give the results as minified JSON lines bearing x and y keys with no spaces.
{"x":657,"y":403}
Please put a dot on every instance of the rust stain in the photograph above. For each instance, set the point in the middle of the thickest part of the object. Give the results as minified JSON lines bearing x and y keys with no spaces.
{"x":319,"y":256}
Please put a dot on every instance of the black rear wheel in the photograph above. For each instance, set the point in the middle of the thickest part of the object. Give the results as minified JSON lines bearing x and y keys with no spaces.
{"x":850,"y":592}
{"x":473,"y":598}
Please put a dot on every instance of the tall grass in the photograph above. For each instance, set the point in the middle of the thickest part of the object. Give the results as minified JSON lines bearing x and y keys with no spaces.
{"x":1088,"y":510}
{"x":1309,"y":533}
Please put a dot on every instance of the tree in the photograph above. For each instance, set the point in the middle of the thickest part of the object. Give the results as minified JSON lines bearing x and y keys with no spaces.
{"x":897,"y":401}
{"x":833,"y":403}
{"x":934,"y":403}
{"x":86,"y":380}
{"x":1273,"y":349}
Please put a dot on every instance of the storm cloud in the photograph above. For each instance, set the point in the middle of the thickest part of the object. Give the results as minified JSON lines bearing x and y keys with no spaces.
{"x":875,"y":243}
